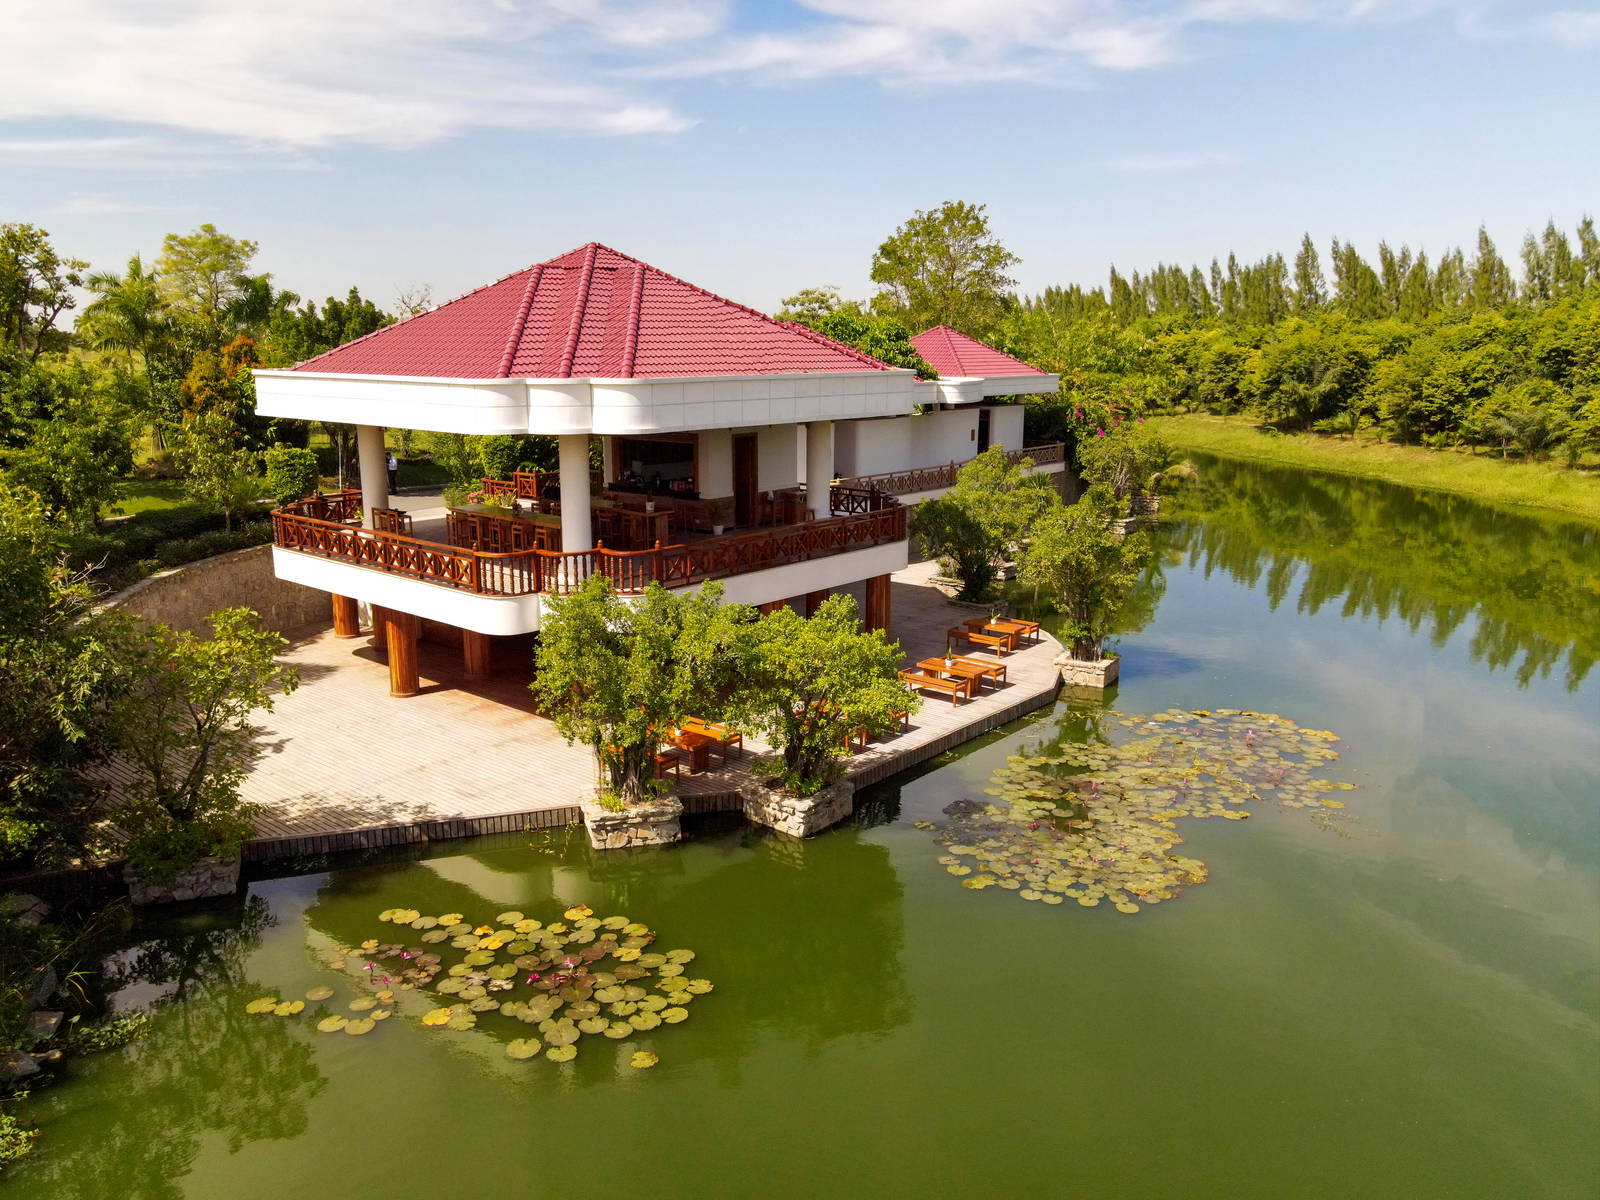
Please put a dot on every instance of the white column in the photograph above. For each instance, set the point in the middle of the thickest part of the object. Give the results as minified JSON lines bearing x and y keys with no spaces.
{"x":575,"y":528}
{"x":819,"y":468}
{"x":374,"y":463}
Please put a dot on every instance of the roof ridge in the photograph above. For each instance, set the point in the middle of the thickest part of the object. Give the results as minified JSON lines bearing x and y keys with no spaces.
{"x":575,"y":324}
{"x":630,"y":342}
{"x":535,"y":274}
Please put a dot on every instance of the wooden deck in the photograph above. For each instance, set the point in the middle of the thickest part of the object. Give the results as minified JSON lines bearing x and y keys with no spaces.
{"x":347,"y":766}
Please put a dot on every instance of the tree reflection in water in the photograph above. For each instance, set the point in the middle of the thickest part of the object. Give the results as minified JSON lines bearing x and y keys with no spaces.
{"x":1530,"y":582}
{"x":206,"y":1066}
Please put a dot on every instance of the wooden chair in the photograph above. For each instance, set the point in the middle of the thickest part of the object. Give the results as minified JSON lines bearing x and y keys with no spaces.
{"x":667,"y":761}
{"x":391,"y":520}
{"x":999,"y":643}
{"x":996,"y":671}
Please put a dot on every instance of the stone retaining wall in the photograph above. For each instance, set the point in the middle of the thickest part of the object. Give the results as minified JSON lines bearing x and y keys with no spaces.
{"x":185,"y":596}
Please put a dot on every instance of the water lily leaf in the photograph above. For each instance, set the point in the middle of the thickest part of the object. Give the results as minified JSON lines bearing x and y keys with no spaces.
{"x":508,"y":918}
{"x":680,"y":956}
{"x":699,"y":987}
{"x":435,"y":935}
{"x":578,"y":912}
{"x":359,"y":1026}
{"x":289,"y":1008}
{"x":380,"y":1014}
{"x":523,"y":1048}
{"x":320,"y":992}
{"x":332,"y":1024}
{"x":561,"y":1033}
{"x":265,"y":1004}
{"x":564,"y":1053}
{"x":644,"y":1020}
{"x":438,"y":1016}
{"x":461,"y":1021}
{"x":619,"y":1031}
{"x":363,"y":1003}
{"x":668,"y":970}
{"x":673,"y":1016}
{"x":483,"y":1004}
{"x":643,"y":1060}
{"x":594,"y":1024}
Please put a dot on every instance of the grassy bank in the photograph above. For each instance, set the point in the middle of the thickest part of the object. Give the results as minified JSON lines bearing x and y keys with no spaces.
{"x":1528,"y":484}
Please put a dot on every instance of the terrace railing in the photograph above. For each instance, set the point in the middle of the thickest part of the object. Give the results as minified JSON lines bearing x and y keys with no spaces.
{"x":531,"y":485}
{"x":928,"y":479}
{"x":524,"y":572}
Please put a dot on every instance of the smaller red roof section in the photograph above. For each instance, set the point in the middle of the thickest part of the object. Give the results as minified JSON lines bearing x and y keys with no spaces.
{"x":590,"y":313}
{"x":957,"y":356}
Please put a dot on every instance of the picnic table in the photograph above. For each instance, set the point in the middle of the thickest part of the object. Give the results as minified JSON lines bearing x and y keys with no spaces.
{"x":1002,"y":641}
{"x":1021,"y":627}
{"x":697,"y":746}
{"x":956,"y":668}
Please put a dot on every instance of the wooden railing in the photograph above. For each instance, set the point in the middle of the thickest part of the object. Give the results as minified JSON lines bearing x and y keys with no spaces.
{"x":928,"y":479}
{"x":328,"y":506}
{"x":524,"y":572}
{"x":843,"y":498}
{"x":531,"y":485}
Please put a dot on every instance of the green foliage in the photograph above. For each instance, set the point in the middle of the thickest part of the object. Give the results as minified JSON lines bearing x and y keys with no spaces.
{"x":944,"y":267}
{"x":219,"y":471}
{"x":70,"y":434}
{"x":182,"y":725}
{"x":806,"y":682}
{"x":58,"y":669}
{"x":291,"y":472}
{"x":36,"y":286}
{"x":810,"y":305}
{"x":616,"y":673}
{"x":1081,"y":563}
{"x":201,"y":274}
{"x":16,"y":1139}
{"x":296,"y":334}
{"x":984,"y":519}
{"x":884,"y":338}
{"x":1128,"y":460}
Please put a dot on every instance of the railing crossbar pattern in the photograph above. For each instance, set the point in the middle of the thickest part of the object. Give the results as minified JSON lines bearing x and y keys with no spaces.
{"x":929,"y":479}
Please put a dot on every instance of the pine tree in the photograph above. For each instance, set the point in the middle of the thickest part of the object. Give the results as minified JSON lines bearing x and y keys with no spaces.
{"x":1393,"y":269}
{"x":1451,"y":282}
{"x":1536,"y":280}
{"x":1418,"y":298}
{"x":1588,"y":253}
{"x":1565,"y":271}
{"x":1310,"y":289}
{"x":1491,"y":280}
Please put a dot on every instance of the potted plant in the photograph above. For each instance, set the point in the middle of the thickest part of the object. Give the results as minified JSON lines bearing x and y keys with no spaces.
{"x":805,"y":685}
{"x":718,"y":513}
{"x":1080,"y":561}
{"x":181,"y":724}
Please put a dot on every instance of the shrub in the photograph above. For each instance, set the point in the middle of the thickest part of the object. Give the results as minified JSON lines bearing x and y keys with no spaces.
{"x":1087,"y":570}
{"x":292,"y":472}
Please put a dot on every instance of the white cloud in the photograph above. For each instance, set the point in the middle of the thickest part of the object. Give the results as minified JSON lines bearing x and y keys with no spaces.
{"x":303,"y":74}
{"x":105,"y":206}
{"x":1155,"y":163}
{"x":140,"y":153}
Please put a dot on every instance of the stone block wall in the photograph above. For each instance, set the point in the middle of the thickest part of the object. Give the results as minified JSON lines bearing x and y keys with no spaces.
{"x":185,"y":596}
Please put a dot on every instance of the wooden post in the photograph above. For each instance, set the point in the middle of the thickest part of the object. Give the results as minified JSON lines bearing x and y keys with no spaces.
{"x":878,"y":603}
{"x":814,"y":601}
{"x":379,"y":630}
{"x":771,"y":606}
{"x":400,"y":632}
{"x":475,"y":653}
{"x":346,"y":617}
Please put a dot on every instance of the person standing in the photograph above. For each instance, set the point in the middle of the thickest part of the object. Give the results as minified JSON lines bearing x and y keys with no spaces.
{"x":393,"y":464}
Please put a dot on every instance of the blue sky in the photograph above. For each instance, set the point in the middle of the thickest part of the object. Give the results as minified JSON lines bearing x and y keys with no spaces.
{"x":759,"y":148}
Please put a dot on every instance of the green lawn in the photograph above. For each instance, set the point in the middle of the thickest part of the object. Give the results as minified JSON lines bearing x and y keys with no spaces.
{"x":1481,"y":476}
{"x":136,"y":496}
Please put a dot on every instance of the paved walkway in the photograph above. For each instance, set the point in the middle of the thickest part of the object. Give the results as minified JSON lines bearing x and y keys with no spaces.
{"x":345,"y":764}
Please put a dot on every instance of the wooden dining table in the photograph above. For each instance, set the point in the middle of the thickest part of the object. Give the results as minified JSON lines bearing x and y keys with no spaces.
{"x":697,"y":746}
{"x":503,"y":530}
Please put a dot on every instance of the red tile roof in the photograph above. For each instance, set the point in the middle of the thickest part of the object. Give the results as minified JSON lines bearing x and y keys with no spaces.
{"x":592,"y":312}
{"x":956,"y":355}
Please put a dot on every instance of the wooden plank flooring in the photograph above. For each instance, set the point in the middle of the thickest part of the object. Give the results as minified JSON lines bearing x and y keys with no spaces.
{"x":346,"y":765}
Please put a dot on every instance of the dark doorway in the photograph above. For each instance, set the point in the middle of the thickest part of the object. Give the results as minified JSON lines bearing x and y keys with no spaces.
{"x":983,"y":430}
{"x":744,"y":479}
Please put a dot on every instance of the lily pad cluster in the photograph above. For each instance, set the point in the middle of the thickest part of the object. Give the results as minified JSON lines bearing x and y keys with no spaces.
{"x":578,"y":976}
{"x":1095,"y":823}
{"x":365,"y":1011}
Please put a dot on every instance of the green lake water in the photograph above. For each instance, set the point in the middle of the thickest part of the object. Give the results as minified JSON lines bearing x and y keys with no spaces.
{"x":1402,"y":1003}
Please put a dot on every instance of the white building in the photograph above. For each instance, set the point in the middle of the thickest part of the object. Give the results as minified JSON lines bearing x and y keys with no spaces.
{"x":735,"y":447}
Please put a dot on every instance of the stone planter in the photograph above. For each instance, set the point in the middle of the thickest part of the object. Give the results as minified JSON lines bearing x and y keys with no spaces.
{"x":655,"y":824}
{"x":798,"y":816}
{"x":206,"y":878}
{"x":1076,"y":672}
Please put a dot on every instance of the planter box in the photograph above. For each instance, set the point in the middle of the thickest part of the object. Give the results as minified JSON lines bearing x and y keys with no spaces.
{"x":1075,"y":672}
{"x":655,"y":824}
{"x":798,"y":816}
{"x":208,"y":877}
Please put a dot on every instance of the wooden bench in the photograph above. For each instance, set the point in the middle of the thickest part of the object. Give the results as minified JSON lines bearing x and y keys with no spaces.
{"x":1000,"y":643}
{"x":956,"y":689}
{"x":1026,"y":630}
{"x":994,"y":670}
{"x":861,"y":735}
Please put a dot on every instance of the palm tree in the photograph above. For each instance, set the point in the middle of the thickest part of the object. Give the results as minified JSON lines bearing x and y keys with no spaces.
{"x":128,"y":315}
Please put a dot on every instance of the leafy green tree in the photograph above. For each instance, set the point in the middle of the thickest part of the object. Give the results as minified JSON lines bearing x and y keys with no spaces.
{"x":1310,"y":290}
{"x":806,"y":683}
{"x":295,"y":334}
{"x":1491,"y":278}
{"x":182,"y":727}
{"x":1080,"y":562}
{"x":291,"y":472}
{"x":809,"y":305}
{"x":944,"y":267}
{"x":58,"y":671}
{"x":74,"y":462}
{"x":985,"y":518}
{"x":128,"y":316}
{"x":200,"y":273}
{"x":1128,"y":461}
{"x":1533,"y":416}
{"x":884,"y":338}
{"x":219,"y":471}
{"x":36,"y":286}
{"x":617,"y":673}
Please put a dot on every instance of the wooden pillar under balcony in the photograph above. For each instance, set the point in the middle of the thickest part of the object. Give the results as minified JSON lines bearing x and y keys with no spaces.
{"x":814,"y":601}
{"x":379,"y":630}
{"x":878,"y":603}
{"x":475,"y":653}
{"x":346,"y":617}
{"x":400,"y":634}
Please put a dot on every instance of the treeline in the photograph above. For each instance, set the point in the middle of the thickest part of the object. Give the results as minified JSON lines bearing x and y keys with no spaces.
{"x":1454,"y":351}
